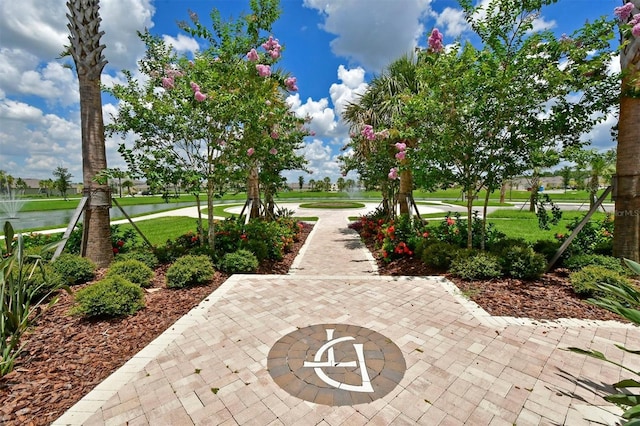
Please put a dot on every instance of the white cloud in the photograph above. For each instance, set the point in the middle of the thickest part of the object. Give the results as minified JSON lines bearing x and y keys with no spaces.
{"x":182,"y":43}
{"x":372,"y":36}
{"x":540,"y":24}
{"x":352,"y":86}
{"x":323,"y":119}
{"x":452,"y":21}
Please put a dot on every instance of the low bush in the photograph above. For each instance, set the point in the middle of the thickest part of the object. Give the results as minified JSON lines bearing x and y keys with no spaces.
{"x":74,"y":269}
{"x":580,"y":261}
{"x":548,"y":248}
{"x":499,"y":245}
{"x":522,"y":263}
{"x":478,"y":266}
{"x":439,"y":255}
{"x":146,"y":257}
{"x":585,"y":281}
{"x":132,"y":270}
{"x":110,"y":297}
{"x":239,"y":262}
{"x":190,"y":270}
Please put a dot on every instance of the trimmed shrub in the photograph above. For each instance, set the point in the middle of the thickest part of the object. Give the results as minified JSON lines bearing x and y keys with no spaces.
{"x":504,"y":243}
{"x":584,"y":281}
{"x":439,"y":255}
{"x":548,"y":248}
{"x":478,"y":266}
{"x":522,"y":263}
{"x":240,"y":262}
{"x":74,"y":269}
{"x":146,"y":257}
{"x":580,"y":261}
{"x":110,"y":297}
{"x":132,"y":270}
{"x":190,"y":270}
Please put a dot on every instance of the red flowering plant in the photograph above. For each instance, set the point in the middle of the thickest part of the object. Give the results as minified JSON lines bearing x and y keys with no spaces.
{"x":123,"y":241}
{"x":401,"y":237}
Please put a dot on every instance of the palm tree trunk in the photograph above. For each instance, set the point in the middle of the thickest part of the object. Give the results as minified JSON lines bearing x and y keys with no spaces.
{"x":626,"y":242}
{"x":96,"y":244}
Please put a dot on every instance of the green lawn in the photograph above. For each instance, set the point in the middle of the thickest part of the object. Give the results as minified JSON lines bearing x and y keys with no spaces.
{"x":524,"y":224}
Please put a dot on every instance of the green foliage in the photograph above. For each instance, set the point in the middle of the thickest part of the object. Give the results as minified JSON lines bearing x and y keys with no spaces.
{"x":133,"y":270}
{"x":522,"y":263}
{"x":452,"y":229}
{"x":547,"y":248}
{"x":477,"y":266}
{"x":499,"y":245}
{"x":239,"y":262}
{"x":586,"y":281}
{"x":44,"y":280}
{"x":110,"y":297}
{"x":144,"y":256}
{"x":544,"y":218}
{"x":595,"y":237}
{"x":623,"y":300}
{"x":579,"y":261}
{"x":190,"y":270}
{"x":439,"y":255}
{"x":24,"y":289}
{"x":74,"y":269}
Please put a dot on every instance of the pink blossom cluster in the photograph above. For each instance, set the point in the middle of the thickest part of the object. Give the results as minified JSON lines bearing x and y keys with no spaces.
{"x":272,"y":46}
{"x":199,"y":96}
{"x":635,"y":21}
{"x":168,"y":82}
{"x":273,"y":151}
{"x":393,"y":173}
{"x":367,"y":132}
{"x":435,"y":41}
{"x":291,"y":82}
{"x":263,"y":70}
{"x":253,"y":55}
{"x":623,"y":12}
{"x":402,"y":150}
{"x":250,"y":152}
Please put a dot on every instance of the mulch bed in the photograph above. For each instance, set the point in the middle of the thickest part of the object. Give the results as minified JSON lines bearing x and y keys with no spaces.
{"x":65,"y":357}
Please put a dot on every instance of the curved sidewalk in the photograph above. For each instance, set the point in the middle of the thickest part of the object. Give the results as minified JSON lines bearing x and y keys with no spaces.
{"x":255,"y":352}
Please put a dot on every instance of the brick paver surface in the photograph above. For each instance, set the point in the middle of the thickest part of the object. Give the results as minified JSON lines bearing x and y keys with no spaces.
{"x":462,"y":365}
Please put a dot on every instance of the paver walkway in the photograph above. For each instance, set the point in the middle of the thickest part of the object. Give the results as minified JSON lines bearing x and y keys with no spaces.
{"x":463,"y":366}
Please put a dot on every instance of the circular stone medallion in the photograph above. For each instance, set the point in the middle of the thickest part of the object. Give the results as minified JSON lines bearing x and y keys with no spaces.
{"x":336,"y":364}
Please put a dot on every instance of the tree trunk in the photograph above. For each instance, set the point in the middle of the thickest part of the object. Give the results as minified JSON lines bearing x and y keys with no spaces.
{"x":626,"y":242}
{"x":503,"y":191}
{"x":405,"y":191}
{"x":96,"y":223}
{"x":211,"y":232}
{"x":533,"y":198}
{"x":253,"y":192}
{"x":470,"y":196}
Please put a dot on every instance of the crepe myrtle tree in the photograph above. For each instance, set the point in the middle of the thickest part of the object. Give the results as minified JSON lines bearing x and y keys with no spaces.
{"x":483,"y":115}
{"x":626,"y":241}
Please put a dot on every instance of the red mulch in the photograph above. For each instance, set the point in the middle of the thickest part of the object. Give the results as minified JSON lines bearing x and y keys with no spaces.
{"x":65,"y":356}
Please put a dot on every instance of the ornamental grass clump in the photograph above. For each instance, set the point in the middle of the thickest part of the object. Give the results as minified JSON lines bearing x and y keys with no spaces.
{"x":132,"y":270}
{"x":75,"y":269}
{"x":110,"y":297}
{"x":189,"y":271}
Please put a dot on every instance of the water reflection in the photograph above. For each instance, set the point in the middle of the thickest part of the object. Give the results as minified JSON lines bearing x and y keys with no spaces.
{"x":61,"y":218}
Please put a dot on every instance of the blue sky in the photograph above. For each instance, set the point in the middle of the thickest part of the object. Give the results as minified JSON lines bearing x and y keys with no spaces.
{"x":333,"y":47}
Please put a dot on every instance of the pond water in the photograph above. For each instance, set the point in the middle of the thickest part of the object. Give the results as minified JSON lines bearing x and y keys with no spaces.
{"x":61,"y":218}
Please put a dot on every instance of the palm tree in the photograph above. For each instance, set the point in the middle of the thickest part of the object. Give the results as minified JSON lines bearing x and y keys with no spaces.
{"x":86,"y":50}
{"x":626,"y":241}
{"x":379,"y":106}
